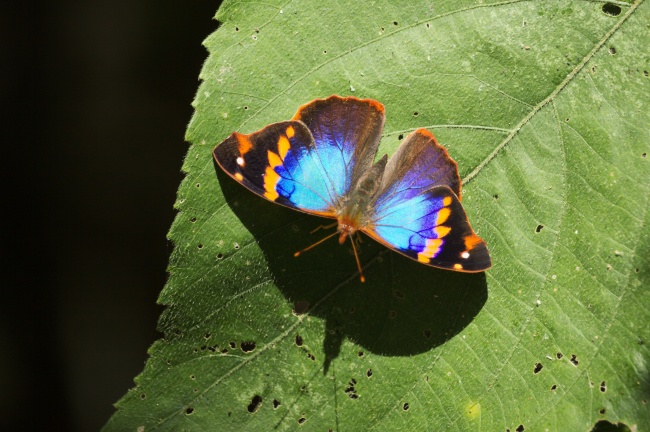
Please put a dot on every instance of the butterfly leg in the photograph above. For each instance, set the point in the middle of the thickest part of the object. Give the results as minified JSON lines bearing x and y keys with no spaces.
{"x":320,"y":227}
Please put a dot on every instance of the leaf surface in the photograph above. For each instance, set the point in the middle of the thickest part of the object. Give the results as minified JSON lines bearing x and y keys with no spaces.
{"x":543,"y":104}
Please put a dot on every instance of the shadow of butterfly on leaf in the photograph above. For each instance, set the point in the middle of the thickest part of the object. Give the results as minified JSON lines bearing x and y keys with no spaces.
{"x":403,"y":308}
{"x":321,"y":162}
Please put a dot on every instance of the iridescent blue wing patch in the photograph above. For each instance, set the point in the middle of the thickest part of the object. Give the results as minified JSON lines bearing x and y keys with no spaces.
{"x":417,"y":210}
{"x":311,"y":162}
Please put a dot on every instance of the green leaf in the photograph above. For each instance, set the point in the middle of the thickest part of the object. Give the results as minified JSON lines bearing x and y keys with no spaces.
{"x":543,"y":104}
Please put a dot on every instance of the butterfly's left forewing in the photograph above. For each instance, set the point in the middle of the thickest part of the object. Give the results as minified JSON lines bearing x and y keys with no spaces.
{"x":279,"y":164}
{"x":417,"y":213}
{"x":311,"y":162}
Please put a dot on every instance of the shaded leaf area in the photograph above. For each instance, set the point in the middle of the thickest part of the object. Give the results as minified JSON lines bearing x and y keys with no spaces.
{"x":543,"y":104}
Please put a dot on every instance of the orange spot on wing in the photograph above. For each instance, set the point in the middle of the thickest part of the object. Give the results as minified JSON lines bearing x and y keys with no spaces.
{"x":274,"y":160}
{"x":290,"y":132}
{"x":239,"y":177}
{"x":245,"y":144}
{"x":441,"y":231}
{"x":443,"y":215}
{"x":446,"y":201}
{"x":283,"y":146}
{"x":471,"y":241}
{"x":431,"y":249}
{"x":271,"y":179}
{"x":458,"y":266}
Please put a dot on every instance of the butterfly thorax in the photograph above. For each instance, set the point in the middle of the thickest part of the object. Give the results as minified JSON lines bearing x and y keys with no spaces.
{"x":354,"y":211}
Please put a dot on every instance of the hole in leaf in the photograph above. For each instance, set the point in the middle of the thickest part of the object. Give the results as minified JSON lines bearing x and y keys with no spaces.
{"x":605,"y":426}
{"x":299,"y":340}
{"x":369,"y":373}
{"x":520,"y":428}
{"x":192,"y":377}
{"x":559,"y":356}
{"x":360,"y":353}
{"x":406,"y":406}
{"x":255,"y":404}
{"x":276,"y":403}
{"x":236,"y":28}
{"x":603,"y":387}
{"x":200,"y":246}
{"x":245,"y":107}
{"x":395,"y":23}
{"x":198,"y":185}
{"x":219,"y":256}
{"x":574,"y":360}
{"x":235,"y":245}
{"x":311,"y":357}
{"x":539,"y":228}
{"x":248,"y":346}
{"x":301,"y":420}
{"x":554,"y":387}
{"x":496,"y":196}
{"x":611,"y":9}
{"x":538,"y":368}
{"x":612,"y":50}
{"x":193,"y":220}
{"x":644,"y":155}
{"x":428,"y":25}
{"x":143,"y":396}
{"x":415,"y":114}
{"x":645,"y":72}
{"x":232,"y":345}
{"x":602,"y":410}
{"x":324,"y":51}
{"x":189,"y":411}
{"x":400,"y":137}
{"x":300,"y":307}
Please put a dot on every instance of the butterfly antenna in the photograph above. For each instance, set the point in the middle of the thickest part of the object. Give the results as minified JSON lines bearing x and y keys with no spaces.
{"x":315,"y":244}
{"x":356,"y":257}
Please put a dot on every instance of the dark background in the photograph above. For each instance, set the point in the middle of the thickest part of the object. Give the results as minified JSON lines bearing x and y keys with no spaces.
{"x":95,"y":100}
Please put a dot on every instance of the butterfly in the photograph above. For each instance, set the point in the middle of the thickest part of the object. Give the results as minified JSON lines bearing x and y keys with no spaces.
{"x":321,"y":162}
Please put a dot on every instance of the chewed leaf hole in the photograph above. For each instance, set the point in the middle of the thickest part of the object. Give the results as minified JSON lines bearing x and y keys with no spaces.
{"x":189,"y":411}
{"x":539,"y":228}
{"x":603,"y":386}
{"x":574,"y":360}
{"x":276,"y":403}
{"x":559,"y":356}
{"x":299,"y":340}
{"x":219,"y":256}
{"x":538,"y":368}
{"x":248,"y":346}
{"x":612,"y":50}
{"x":605,"y":426}
{"x":611,"y":9}
{"x":300,"y":307}
{"x":143,"y":396}
{"x":520,"y":428}
{"x":369,"y":373}
{"x":360,"y":353}
{"x":400,"y":137}
{"x":406,"y":406}
{"x":302,"y":420}
{"x":255,"y":404}
{"x":554,"y":387}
